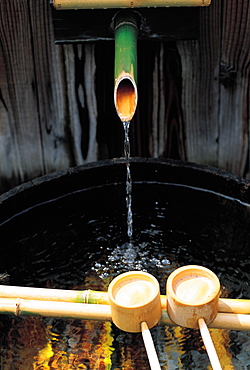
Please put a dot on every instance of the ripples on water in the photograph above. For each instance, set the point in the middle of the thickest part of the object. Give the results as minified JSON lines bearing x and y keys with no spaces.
{"x":89,"y":248}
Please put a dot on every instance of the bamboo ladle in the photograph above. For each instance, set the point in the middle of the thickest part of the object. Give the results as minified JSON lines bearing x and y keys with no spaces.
{"x":136,"y":307}
{"x":192,"y":301}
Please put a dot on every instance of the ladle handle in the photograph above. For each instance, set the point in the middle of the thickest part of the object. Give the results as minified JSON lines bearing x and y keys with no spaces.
{"x":212,"y":354}
{"x":150,"y":348}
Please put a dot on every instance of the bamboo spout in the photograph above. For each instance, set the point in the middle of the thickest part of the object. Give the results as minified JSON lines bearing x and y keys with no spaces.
{"x":125,"y":90}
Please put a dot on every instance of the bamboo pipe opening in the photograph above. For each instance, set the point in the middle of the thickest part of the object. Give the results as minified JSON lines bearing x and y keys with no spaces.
{"x":125,"y":96}
{"x":125,"y":71}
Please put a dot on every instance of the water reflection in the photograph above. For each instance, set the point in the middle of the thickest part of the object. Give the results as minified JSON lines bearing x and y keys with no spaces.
{"x":51,"y":344}
{"x":37,"y":343}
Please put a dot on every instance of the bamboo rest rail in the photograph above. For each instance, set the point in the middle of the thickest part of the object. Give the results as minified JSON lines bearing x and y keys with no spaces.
{"x":82,"y":311}
{"x":226,"y":305}
{"x":65,"y":304}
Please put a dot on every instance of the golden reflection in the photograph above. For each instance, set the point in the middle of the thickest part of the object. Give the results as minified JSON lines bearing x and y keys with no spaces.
{"x":126,"y":359}
{"x":24,"y":336}
{"x":107,"y":341}
{"x":82,"y":345}
{"x":44,"y":355}
{"x":221,"y":342}
{"x":33,"y":345}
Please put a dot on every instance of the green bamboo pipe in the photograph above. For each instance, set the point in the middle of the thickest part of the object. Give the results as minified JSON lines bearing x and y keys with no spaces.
{"x":125,"y":89}
{"x":101,"y":4}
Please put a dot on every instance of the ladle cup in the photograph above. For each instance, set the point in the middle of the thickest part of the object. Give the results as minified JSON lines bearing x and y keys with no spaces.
{"x":136,"y":307}
{"x":192,"y":293}
{"x":135,"y":297}
{"x":192,"y":301}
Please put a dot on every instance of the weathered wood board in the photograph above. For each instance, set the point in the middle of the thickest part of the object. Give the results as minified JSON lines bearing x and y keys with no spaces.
{"x":56,"y":100}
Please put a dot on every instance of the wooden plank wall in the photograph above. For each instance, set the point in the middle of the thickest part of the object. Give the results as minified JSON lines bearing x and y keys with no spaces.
{"x":215,"y":96}
{"x":56,"y":101}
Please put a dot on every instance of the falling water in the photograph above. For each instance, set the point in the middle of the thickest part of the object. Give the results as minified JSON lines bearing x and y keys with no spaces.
{"x":128,"y":180}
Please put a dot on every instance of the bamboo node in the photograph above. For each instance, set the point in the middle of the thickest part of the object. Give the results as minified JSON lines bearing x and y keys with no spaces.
{"x":18,"y":307}
{"x":86,"y":296}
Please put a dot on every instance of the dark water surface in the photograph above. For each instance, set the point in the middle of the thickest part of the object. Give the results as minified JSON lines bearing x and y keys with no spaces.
{"x":80,"y":241}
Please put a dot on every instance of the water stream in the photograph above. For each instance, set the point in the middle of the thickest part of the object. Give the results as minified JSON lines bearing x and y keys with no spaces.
{"x":128,"y":180}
